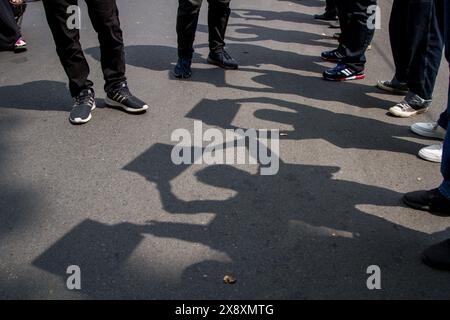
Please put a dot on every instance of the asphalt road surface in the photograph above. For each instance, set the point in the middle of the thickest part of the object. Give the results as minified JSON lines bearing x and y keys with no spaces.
{"x":106,"y":196}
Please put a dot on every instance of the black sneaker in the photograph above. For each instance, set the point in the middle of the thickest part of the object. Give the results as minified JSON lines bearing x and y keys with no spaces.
{"x":438,"y":256}
{"x":432,"y":201}
{"x":342,"y":72}
{"x":332,"y":56}
{"x":335,"y":25}
{"x":84,"y":104}
{"x":183,"y":68}
{"x":120,"y":96}
{"x":394,"y":86}
{"x":223,"y":60}
{"x":325,"y":17}
{"x":337,"y":35}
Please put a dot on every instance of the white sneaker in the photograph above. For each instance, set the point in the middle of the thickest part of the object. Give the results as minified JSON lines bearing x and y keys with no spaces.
{"x":404,"y":110}
{"x":412,"y":105}
{"x":429,"y":130}
{"x":432,"y":153}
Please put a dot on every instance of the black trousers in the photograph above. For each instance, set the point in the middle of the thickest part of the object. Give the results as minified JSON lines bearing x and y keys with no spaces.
{"x":9,"y":30}
{"x":355,"y":33}
{"x":417,"y":39}
{"x":187,"y":21}
{"x":105,"y":19}
{"x":331,"y":8}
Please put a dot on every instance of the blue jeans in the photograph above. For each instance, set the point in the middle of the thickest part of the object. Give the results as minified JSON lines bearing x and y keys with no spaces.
{"x":443,"y":120}
{"x":445,"y":168}
{"x":416,"y":34}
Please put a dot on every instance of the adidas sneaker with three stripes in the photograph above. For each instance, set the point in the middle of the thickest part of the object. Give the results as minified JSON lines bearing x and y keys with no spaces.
{"x":120,"y":96}
{"x":342,"y":72}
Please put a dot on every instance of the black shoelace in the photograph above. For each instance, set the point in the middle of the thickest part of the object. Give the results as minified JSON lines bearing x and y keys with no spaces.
{"x":226,"y":55}
{"x":123,"y":91}
{"x":83,"y":99}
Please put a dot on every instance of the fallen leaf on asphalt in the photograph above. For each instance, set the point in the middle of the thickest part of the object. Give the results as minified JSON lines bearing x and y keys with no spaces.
{"x":229,"y":280}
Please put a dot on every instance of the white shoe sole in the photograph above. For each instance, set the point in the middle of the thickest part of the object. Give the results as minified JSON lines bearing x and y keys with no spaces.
{"x":430,"y":157}
{"x":82,"y":121}
{"x":425,"y":133}
{"x":113,"y":103}
{"x":402,"y":114}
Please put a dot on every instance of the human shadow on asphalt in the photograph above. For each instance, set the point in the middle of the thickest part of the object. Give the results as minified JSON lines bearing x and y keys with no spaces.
{"x":299,"y":234}
{"x":160,"y":58}
{"x":42,"y":95}
{"x":260,"y":33}
{"x":342,"y":130}
{"x":307,"y":3}
{"x":264,"y":15}
{"x":252,"y":59}
{"x":17,"y":201}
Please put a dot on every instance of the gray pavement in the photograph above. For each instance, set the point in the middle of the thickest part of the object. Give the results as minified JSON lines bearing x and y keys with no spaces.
{"x":105,"y":196}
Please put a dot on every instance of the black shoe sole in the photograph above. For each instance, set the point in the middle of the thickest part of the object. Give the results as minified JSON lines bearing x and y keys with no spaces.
{"x":221,"y":65}
{"x":355,"y":77}
{"x":20,"y":50}
{"x":181,"y":76}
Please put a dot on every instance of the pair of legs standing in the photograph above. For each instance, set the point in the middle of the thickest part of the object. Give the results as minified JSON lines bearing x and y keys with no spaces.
{"x":10,"y":34}
{"x":416,"y":30}
{"x":104,"y":16}
{"x":187,"y":21}
{"x":330,"y":13}
{"x":356,"y":35}
{"x":438,"y":200}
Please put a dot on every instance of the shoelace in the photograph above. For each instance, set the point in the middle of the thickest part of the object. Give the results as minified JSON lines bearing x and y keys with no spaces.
{"x":123,"y":91}
{"x":405,"y":106}
{"x":226,"y":55}
{"x":337,"y":54}
{"x":83,"y":99}
{"x":185,"y":63}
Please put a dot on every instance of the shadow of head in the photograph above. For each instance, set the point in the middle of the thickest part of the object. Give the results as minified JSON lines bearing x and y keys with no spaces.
{"x":41,"y":95}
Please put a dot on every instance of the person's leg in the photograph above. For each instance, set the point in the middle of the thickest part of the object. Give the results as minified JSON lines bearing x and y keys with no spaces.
{"x":357,"y":35}
{"x":187,"y":20}
{"x":438,"y":255}
{"x":445,"y":167}
{"x":401,"y":52}
{"x":218,"y":15}
{"x":330,"y":13}
{"x":338,"y":54}
{"x":355,"y":38}
{"x":344,"y":18}
{"x":9,"y":30}
{"x":443,"y":120}
{"x":437,"y":200}
{"x":426,"y":27}
{"x":105,"y":19}
{"x":428,"y":44}
{"x":330,"y":8}
{"x":68,"y":45}
{"x":398,"y":35}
